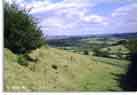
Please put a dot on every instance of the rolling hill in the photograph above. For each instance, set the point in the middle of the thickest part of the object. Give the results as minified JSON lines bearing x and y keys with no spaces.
{"x":51,"y":69}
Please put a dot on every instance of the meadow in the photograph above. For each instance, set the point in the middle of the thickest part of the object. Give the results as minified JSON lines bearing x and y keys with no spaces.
{"x":58,"y":70}
{"x":72,"y":67}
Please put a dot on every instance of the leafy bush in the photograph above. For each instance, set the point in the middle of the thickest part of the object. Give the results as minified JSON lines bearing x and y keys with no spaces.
{"x":86,"y":52}
{"x":132,"y":45}
{"x":97,"y":52}
{"x":21,"y":33}
{"x":22,"y":60}
{"x":129,"y":80}
{"x":120,"y":42}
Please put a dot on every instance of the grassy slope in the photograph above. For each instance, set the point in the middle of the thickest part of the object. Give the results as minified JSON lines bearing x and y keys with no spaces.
{"x":74,"y":72}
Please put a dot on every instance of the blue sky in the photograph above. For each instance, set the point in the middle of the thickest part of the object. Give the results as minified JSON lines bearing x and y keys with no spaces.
{"x":82,"y":17}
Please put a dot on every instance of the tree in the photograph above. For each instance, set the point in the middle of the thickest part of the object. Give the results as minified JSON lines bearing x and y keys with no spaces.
{"x":21,"y":33}
{"x":129,"y":80}
{"x":86,"y":52}
{"x":131,"y":44}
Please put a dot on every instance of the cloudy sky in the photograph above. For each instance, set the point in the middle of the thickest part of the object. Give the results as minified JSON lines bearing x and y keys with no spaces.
{"x":82,"y":17}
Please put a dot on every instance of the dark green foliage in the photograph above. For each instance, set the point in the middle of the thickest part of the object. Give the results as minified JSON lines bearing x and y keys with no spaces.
{"x":129,"y":81}
{"x":132,"y":45}
{"x":97,"y":52}
{"x":22,"y":60}
{"x":119,"y":54}
{"x":86,"y":52}
{"x":123,"y":41}
{"x":21,"y":33}
{"x":108,"y":49}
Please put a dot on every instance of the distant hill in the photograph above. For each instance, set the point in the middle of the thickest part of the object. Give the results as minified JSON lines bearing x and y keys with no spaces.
{"x":120,"y":35}
{"x":124,"y":35}
{"x":60,"y":41}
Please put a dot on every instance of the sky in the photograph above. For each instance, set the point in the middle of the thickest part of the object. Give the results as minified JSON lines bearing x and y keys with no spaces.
{"x":83,"y":17}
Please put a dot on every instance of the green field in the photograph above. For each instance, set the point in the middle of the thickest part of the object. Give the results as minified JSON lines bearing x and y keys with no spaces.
{"x":102,"y":47}
{"x":51,"y":69}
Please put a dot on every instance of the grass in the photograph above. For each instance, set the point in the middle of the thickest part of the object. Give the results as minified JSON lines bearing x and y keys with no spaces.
{"x":99,"y":41}
{"x":58,"y":70}
{"x":116,"y":49}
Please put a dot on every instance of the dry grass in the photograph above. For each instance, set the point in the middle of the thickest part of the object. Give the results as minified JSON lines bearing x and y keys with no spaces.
{"x":58,"y":70}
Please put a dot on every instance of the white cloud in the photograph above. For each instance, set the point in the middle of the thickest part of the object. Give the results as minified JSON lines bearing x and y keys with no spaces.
{"x":40,"y":6}
{"x":124,"y":19}
{"x":71,"y":18}
{"x":74,"y":17}
{"x":16,"y":1}
{"x":95,"y":19}
{"x":122,"y":11}
{"x":46,"y":6}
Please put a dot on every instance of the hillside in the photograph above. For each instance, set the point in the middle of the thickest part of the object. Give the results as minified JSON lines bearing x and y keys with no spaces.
{"x":53,"y":69}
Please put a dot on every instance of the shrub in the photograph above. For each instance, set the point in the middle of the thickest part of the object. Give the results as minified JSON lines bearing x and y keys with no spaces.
{"x":120,"y":42}
{"x":21,"y":33}
{"x":22,"y":60}
{"x":131,"y":45}
{"x":129,"y":80}
{"x":101,"y":53}
{"x":86,"y":52}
